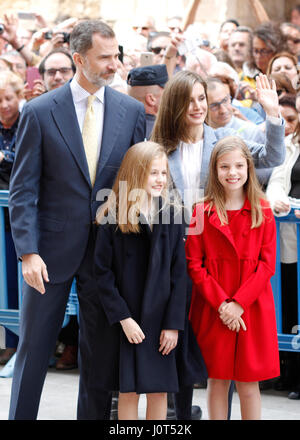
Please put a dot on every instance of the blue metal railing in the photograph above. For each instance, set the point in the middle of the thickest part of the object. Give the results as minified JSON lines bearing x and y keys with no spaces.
{"x":3,"y":278}
{"x":286,"y":342}
{"x":9,"y":318}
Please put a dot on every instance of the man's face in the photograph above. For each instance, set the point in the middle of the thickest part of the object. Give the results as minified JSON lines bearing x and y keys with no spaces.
{"x":100,"y":62}
{"x":295,"y":17}
{"x":225,"y":33}
{"x":219,"y":106}
{"x":261,"y":54}
{"x":293,"y":40}
{"x":143,"y":26}
{"x":238,"y":47}
{"x":158,"y":47}
{"x":58,"y":71}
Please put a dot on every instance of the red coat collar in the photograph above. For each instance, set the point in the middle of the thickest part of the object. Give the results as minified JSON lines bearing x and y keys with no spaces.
{"x":224,"y":229}
{"x":246,"y":207}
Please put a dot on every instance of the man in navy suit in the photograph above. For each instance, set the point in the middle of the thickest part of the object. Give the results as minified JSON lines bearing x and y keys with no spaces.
{"x":53,"y":202}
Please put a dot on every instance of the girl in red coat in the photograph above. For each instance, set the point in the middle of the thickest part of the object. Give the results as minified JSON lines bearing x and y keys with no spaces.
{"x":231,"y":254}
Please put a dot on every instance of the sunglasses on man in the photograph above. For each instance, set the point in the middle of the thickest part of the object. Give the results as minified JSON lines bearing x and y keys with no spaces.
{"x":294,"y":40}
{"x":157,"y":49}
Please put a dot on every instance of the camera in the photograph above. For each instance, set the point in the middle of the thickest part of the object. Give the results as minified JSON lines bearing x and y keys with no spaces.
{"x":48,"y":35}
{"x":66,"y":37}
{"x":2,"y":28}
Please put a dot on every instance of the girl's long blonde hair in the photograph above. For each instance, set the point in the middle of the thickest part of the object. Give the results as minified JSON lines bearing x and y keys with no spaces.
{"x":214,"y":192}
{"x":133,"y":172}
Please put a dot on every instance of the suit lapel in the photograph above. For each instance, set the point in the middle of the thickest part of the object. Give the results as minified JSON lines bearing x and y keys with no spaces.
{"x":209,"y":140}
{"x":174,"y":161}
{"x":114,"y":115}
{"x":224,"y":229}
{"x":65,"y":117}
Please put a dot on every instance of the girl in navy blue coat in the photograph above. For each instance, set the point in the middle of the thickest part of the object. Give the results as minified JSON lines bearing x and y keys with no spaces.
{"x":141,"y":272}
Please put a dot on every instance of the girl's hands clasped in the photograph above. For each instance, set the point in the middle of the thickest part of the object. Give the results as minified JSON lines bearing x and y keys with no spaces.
{"x":132,"y":331}
{"x":230,"y":315}
{"x":168,"y":341}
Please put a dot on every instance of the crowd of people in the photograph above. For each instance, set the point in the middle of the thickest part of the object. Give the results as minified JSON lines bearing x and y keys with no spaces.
{"x":73,"y":100}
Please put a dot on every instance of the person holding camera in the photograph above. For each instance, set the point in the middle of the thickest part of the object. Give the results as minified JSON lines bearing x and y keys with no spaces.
{"x":55,"y":69}
{"x":9,"y":33}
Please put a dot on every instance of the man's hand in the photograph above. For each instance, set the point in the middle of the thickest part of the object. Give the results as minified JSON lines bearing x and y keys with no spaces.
{"x":132,"y":331}
{"x":34,"y":271}
{"x":267,"y":95}
{"x":168,"y":341}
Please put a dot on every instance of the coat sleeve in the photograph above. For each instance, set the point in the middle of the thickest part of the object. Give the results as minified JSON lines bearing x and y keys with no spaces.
{"x":205,"y":284}
{"x":139,"y":134}
{"x":272,"y":153}
{"x":269,"y":154}
{"x":174,"y":317}
{"x":280,"y":181}
{"x":25,"y":183}
{"x":249,"y":291}
{"x":113,"y":304}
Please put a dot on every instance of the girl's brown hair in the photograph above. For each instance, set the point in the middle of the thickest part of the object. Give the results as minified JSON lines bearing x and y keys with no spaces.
{"x":134,"y":172}
{"x":214,"y":192}
{"x":171,"y":124}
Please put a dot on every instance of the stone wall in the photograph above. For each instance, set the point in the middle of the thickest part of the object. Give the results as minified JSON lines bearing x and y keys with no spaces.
{"x":210,"y":12}
{"x":51,"y":9}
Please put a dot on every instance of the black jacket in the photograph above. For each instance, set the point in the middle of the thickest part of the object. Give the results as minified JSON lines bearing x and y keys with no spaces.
{"x":142,"y":276}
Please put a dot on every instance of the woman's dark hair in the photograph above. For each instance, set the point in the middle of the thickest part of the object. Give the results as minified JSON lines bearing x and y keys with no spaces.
{"x":283,"y":83}
{"x":289,"y":100}
{"x":271,"y":35}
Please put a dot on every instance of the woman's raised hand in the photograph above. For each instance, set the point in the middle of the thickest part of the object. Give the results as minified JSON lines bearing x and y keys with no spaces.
{"x":267,"y":95}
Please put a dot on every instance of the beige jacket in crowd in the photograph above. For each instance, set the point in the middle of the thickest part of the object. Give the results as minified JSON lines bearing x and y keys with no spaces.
{"x":278,"y":189}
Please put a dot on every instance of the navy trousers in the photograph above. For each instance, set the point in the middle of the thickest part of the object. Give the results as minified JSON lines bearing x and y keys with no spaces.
{"x":41,"y":320}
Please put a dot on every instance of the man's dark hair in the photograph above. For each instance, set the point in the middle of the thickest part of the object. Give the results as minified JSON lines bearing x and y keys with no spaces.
{"x":290,"y":25}
{"x":296,"y":8}
{"x":58,"y":50}
{"x":81,"y":38}
{"x":156,"y":35}
{"x":244,"y":29}
{"x":230,"y":20}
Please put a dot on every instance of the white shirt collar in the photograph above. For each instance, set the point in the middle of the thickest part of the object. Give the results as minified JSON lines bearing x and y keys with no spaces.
{"x":80,"y":94}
